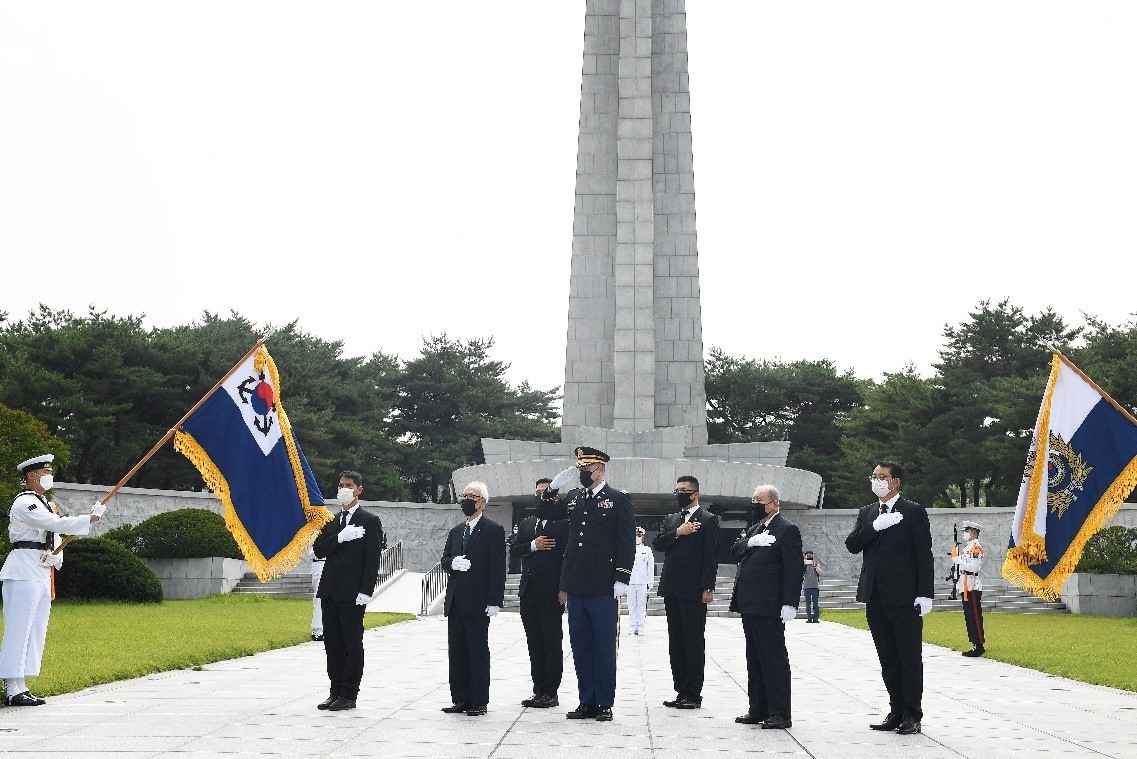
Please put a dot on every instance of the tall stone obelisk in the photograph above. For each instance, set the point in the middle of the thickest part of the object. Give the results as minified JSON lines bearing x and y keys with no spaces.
{"x":634,"y":383}
{"x":635,"y":349}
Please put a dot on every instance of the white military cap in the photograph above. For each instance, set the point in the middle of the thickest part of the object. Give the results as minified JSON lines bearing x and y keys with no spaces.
{"x":640,"y":531}
{"x":969,"y":525}
{"x":35,"y":463}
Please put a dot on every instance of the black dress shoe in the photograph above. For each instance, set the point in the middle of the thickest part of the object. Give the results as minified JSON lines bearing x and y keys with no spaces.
{"x":532,"y":700}
{"x":546,"y":701}
{"x":456,"y":708}
{"x":977,"y":651}
{"x":341,"y":704}
{"x":688,"y":703}
{"x":776,"y":723}
{"x":25,"y":699}
{"x":909,"y":727}
{"x":476,"y":711}
{"x":317,"y":636}
{"x":891,"y":722}
{"x":604,"y":714}
{"x":750,"y":719}
{"x":331,"y":699}
{"x":584,"y":711}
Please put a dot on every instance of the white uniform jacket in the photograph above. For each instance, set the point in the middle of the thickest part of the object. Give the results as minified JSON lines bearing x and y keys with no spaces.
{"x":643,"y":571}
{"x":31,"y":519}
{"x":970,"y":561}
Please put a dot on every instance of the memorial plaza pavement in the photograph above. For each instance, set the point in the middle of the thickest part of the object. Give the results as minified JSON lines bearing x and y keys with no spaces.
{"x":265,"y":705}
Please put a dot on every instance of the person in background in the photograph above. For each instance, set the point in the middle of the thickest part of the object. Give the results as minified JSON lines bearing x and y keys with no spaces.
{"x":970,"y":587}
{"x":812,"y":587}
{"x":643,"y":577}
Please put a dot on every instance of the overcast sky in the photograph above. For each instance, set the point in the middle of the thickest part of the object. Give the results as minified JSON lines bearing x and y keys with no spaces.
{"x":865,"y":172}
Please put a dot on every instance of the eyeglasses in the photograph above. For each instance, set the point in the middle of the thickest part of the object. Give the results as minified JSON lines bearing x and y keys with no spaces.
{"x":879,"y":478}
{"x":683,"y":492}
{"x":472,"y":496}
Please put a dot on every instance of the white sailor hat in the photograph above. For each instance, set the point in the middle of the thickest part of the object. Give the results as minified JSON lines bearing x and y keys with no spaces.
{"x":39,"y":462}
{"x":969,"y":525}
{"x":640,"y":531}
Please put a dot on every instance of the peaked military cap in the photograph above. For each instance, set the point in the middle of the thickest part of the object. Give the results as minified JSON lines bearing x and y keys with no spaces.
{"x":39,"y":462}
{"x":969,"y":525}
{"x":587,"y":456}
{"x":640,"y":531}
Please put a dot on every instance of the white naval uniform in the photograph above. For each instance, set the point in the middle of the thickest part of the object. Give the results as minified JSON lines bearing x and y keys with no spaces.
{"x":27,"y":584}
{"x":970,"y":559}
{"x":317,"y":607}
{"x":643,"y":577}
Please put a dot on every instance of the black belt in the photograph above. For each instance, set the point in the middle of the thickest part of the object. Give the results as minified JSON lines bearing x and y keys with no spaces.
{"x":973,"y":574}
{"x":30,"y":544}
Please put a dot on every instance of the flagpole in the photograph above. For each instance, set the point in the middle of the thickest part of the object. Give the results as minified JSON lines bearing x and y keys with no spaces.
{"x":1094,"y":385}
{"x":170,"y":433}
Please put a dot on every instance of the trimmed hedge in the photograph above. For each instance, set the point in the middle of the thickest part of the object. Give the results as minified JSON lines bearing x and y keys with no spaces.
{"x":97,"y":568}
{"x":181,"y":534}
{"x":1111,"y":551}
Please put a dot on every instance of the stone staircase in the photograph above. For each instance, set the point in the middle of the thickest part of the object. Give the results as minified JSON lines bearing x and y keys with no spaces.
{"x":295,"y":585}
{"x":998,"y":596}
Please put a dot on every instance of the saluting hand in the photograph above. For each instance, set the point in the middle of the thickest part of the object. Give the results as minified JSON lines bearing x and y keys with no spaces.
{"x":687,"y":528}
{"x":544,"y":543}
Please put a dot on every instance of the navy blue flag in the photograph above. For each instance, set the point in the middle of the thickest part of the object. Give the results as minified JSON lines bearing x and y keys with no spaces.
{"x":242,"y":444}
{"x":1081,"y":465}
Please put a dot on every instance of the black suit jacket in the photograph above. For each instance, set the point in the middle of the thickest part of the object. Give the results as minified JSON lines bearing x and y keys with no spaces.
{"x":769,"y":577}
{"x":352,"y":567}
{"x":483,"y":584}
{"x":540,"y":570}
{"x":601,"y":541}
{"x":897,"y":562}
{"x":691,"y":562}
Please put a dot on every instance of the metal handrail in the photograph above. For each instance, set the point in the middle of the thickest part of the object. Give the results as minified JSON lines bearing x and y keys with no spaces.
{"x":433,"y":585}
{"x":390,"y":562}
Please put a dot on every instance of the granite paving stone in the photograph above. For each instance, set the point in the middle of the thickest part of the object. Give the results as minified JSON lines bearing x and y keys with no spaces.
{"x":837,"y":692}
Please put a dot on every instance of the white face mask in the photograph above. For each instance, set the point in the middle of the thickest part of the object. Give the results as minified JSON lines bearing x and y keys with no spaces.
{"x":880,"y":487}
{"x":47,"y":482}
{"x":639,"y":540}
{"x":345,"y":496}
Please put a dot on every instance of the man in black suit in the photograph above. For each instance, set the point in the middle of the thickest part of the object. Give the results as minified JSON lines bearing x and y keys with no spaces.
{"x":689,"y":542}
{"x":597,"y":567}
{"x":767,"y":590}
{"x":540,"y":547}
{"x":896,"y":587}
{"x":349,"y":544}
{"x":475,"y":558}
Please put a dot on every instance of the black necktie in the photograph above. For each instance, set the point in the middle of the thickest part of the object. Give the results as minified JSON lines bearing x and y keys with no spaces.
{"x":465,"y":537}
{"x":685,"y":514}
{"x":884,"y":508}
{"x":343,"y":519}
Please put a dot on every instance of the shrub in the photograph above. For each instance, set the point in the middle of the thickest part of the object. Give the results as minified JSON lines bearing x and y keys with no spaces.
{"x":97,"y":568}
{"x":124,"y":536}
{"x":185,"y":534}
{"x":1111,"y":551}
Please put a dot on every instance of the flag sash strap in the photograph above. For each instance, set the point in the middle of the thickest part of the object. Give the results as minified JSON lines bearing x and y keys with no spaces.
{"x":1030,"y":546}
{"x":316,"y":516}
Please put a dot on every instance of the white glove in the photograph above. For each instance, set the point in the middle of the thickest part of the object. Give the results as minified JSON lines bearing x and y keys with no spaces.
{"x":98,"y":509}
{"x":788,"y":613}
{"x":459,"y":563}
{"x":886,"y":520}
{"x":924,"y":605}
{"x":362,"y":599}
{"x":351,"y":532}
{"x":491,"y":611}
{"x":761,"y":539}
{"x":49,"y":559}
{"x":619,"y":589}
{"x":566,"y":477}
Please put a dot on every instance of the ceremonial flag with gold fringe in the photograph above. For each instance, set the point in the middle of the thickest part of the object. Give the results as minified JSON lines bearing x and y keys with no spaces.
{"x":241,"y":442}
{"x":1081,"y":466}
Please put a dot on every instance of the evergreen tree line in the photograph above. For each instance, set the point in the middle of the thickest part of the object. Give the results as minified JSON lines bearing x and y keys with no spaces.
{"x":108,"y":388}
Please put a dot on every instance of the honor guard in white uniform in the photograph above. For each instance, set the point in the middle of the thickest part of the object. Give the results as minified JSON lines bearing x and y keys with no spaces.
{"x":643,"y":578}
{"x":28,"y":576}
{"x":969,"y":558}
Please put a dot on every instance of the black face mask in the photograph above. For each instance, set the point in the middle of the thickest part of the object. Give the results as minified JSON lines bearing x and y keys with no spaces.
{"x":586,"y":478}
{"x":469,"y":506}
{"x":684,"y":499}
{"x":550,"y":510}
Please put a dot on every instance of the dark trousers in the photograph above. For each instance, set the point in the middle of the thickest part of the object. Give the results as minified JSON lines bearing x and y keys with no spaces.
{"x":973,"y":615}
{"x":686,"y":638}
{"x":541,"y":618}
{"x":343,"y":645}
{"x":897,"y":632}
{"x":468,"y":645}
{"x":812,"y":610}
{"x":767,"y":666}
{"x":593,"y":630}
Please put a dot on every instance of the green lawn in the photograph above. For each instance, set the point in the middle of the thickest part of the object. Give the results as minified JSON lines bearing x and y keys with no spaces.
{"x":98,"y":642}
{"x":1099,"y":650}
